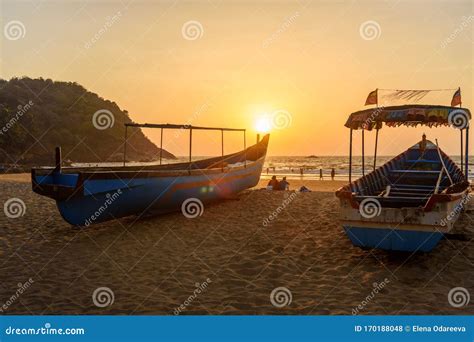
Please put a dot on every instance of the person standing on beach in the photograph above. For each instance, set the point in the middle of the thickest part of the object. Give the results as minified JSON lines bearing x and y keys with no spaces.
{"x":301,"y":171}
{"x":320,"y":174}
{"x":333,"y":173}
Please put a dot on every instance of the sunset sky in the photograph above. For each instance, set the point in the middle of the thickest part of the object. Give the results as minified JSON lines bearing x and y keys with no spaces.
{"x":310,"y":60}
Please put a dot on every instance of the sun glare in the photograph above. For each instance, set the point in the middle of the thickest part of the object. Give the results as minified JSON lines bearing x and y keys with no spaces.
{"x":263,"y":124}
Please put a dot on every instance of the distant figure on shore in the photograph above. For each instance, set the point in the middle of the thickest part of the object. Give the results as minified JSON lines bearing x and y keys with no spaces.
{"x":268,"y":170}
{"x":320,"y":174}
{"x":273,"y":183}
{"x":301,"y":171}
{"x":284,"y":185}
{"x":333,"y":173}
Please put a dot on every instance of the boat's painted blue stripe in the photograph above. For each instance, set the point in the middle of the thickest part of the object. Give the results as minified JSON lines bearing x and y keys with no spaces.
{"x":393,"y":239}
{"x":58,"y":178}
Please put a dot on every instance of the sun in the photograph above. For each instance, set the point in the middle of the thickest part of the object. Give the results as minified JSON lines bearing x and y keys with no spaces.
{"x":263,"y":124}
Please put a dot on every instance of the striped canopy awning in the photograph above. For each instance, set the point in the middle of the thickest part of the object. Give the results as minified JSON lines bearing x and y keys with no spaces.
{"x":409,"y":115}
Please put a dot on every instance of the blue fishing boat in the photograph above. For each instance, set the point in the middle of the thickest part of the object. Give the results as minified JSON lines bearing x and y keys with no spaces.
{"x":89,"y":195}
{"x":413,"y":200}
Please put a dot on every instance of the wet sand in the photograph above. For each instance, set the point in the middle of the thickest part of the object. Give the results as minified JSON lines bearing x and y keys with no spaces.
{"x":233,"y":254}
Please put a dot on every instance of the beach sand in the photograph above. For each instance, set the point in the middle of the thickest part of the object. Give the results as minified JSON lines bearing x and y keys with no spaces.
{"x":236,"y":261}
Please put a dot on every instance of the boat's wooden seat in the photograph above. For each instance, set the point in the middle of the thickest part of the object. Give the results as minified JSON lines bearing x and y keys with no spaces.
{"x":423,"y":172}
{"x":398,"y":201}
{"x":411,"y":186}
{"x":422,"y":161}
{"x":416,"y":177}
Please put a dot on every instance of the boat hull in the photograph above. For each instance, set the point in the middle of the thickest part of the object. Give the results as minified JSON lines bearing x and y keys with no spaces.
{"x":153,"y":195}
{"x":407,"y":204}
{"x":393,"y":239}
{"x":406,"y":229}
{"x":86,"y":196}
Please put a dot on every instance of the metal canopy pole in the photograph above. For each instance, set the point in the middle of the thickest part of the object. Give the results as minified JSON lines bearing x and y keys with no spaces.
{"x":190,"y":147}
{"x":245,"y":150}
{"x":125,"y":146}
{"x":174,"y":126}
{"x":466,"y":154}
{"x":350,"y":157}
{"x":462,"y":141}
{"x":222,"y":142}
{"x":222,"y":149}
{"x":161,"y":144}
{"x":376,"y":143}
{"x":363,"y":153}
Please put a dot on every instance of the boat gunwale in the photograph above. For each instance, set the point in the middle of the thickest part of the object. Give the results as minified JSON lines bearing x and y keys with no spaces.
{"x":95,"y":174}
{"x":173,"y":169}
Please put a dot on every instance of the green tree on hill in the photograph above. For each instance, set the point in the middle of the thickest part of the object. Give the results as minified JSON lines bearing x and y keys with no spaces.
{"x":36,"y":115}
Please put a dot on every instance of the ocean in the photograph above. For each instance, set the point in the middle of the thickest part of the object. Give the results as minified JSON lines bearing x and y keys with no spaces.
{"x":290,"y":166}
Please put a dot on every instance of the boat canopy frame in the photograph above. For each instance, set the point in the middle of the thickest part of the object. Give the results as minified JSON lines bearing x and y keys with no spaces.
{"x":183,"y":127}
{"x":411,"y":116}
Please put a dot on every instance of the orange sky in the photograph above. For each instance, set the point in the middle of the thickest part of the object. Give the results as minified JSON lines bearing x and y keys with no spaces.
{"x":309,"y":59}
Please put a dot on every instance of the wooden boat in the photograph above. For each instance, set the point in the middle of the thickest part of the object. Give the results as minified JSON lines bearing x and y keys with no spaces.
{"x":410,"y":202}
{"x":95,"y":194}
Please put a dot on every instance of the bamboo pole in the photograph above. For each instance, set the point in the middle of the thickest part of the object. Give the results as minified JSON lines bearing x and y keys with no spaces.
{"x":376,"y":143}
{"x":350,"y":157}
{"x":363,"y":152}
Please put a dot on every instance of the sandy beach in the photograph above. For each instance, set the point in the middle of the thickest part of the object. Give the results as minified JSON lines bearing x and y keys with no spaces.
{"x":236,"y":254}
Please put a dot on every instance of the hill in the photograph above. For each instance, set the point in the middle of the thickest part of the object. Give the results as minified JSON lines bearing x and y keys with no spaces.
{"x":36,"y":115}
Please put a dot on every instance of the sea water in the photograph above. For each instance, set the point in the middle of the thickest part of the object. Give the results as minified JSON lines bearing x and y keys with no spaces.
{"x":290,"y":166}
